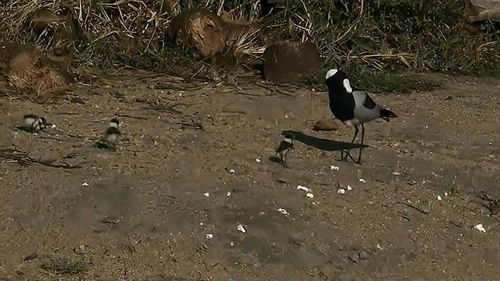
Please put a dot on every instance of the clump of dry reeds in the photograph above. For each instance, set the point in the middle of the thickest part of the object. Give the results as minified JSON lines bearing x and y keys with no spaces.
{"x":375,"y":34}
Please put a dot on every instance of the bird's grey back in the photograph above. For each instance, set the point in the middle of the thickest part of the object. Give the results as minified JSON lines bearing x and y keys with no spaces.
{"x":366,"y":109}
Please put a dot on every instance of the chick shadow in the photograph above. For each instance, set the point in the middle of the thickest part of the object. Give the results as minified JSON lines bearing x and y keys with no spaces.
{"x":275,"y":160}
{"x":103,"y":146}
{"x":323,"y":144}
{"x":26,"y":129}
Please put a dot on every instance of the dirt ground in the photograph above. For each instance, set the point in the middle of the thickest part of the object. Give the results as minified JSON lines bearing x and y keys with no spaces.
{"x":194,"y":164}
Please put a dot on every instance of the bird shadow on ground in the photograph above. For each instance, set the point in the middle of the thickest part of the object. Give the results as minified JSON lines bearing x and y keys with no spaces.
{"x":26,"y":129}
{"x":323,"y":144}
{"x":275,"y":159}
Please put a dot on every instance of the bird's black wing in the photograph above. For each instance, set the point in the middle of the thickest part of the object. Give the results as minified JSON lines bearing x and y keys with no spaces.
{"x":369,"y":103}
{"x":112,"y":130}
{"x":283,"y":146}
{"x":30,"y":116}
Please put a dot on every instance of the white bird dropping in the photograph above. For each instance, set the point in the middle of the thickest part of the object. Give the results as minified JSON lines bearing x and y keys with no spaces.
{"x":334,"y":168}
{"x":301,"y":187}
{"x":241,"y":228}
{"x":480,"y":227}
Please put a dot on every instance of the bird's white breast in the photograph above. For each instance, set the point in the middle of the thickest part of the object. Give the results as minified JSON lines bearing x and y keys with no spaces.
{"x":29,"y":121}
{"x":352,"y":122}
{"x":111,"y":137}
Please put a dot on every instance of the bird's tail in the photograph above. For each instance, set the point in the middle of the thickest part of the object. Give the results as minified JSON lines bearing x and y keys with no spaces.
{"x":386,"y":114}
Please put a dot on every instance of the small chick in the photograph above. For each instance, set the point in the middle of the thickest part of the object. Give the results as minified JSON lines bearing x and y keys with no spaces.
{"x":285,"y":146}
{"x":35,"y":123}
{"x":112,"y":133}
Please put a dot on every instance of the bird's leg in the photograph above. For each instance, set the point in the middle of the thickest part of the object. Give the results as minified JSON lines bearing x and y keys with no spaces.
{"x":283,"y":159}
{"x":348,"y":151}
{"x":362,"y":141}
{"x":356,"y":131}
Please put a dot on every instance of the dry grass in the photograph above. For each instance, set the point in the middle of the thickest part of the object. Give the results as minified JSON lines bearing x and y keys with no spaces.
{"x":378,"y":35}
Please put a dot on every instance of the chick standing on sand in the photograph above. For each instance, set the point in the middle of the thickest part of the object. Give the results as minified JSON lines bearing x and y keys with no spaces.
{"x":111,"y":135}
{"x":285,"y":146}
{"x":35,"y":123}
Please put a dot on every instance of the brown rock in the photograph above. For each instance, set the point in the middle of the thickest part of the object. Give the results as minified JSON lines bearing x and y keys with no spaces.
{"x":28,"y":70}
{"x":326,"y":124}
{"x":286,"y":61}
{"x":482,"y":10}
{"x":200,"y":29}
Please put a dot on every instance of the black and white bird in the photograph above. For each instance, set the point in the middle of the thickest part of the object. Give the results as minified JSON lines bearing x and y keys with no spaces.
{"x":111,"y":135}
{"x":35,"y":123}
{"x":352,"y":106}
{"x":285,"y":146}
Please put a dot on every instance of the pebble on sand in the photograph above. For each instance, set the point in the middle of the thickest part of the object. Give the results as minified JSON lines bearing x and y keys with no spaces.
{"x":283,"y":211}
{"x":334,"y":168}
{"x":241,"y":228}
{"x":480,"y":227}
{"x":301,"y":187}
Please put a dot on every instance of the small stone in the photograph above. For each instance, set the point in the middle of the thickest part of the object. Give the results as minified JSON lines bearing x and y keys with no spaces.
{"x":283,"y":211}
{"x":79,"y":250}
{"x":31,"y":256}
{"x":309,"y":195}
{"x":77,"y":100}
{"x":480,"y":227}
{"x":325,"y":124}
{"x":241,"y":228}
{"x":210,"y":236}
{"x":334,"y":168}
{"x":301,"y":187}
{"x":354,"y":257}
{"x":363,"y":255}
{"x":206,"y":194}
{"x":341,"y":191}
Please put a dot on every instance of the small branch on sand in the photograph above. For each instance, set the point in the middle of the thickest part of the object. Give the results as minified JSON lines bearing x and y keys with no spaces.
{"x":414,"y":207}
{"x":22,"y":158}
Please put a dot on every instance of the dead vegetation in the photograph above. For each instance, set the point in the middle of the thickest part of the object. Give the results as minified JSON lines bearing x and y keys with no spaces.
{"x":14,"y":155}
{"x":27,"y":70}
{"x":360,"y":36}
{"x":65,"y":266}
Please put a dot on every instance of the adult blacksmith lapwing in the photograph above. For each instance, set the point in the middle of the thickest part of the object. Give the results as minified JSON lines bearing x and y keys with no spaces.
{"x":352,"y":106}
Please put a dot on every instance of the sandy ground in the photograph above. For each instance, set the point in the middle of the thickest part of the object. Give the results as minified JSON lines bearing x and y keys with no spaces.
{"x":165,"y":205}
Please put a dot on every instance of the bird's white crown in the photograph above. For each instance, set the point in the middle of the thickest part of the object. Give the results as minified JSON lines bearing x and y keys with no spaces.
{"x":331,"y":72}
